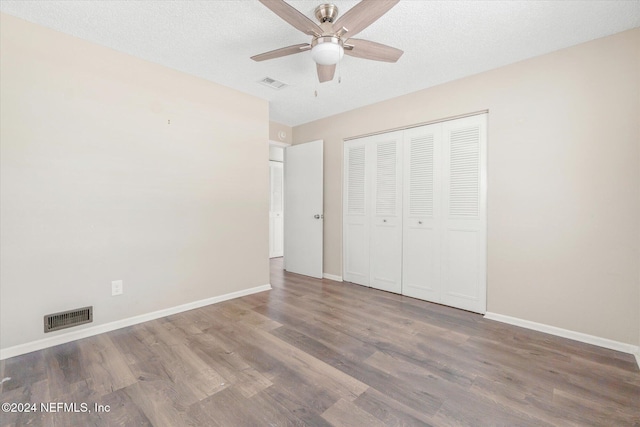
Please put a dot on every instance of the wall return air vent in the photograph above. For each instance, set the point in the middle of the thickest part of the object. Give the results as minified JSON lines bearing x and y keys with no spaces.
{"x":273,"y":83}
{"x":67,"y":319}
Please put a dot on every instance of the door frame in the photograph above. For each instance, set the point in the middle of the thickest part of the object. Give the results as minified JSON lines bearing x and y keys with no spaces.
{"x":276,"y":215}
{"x":283,"y":145}
{"x":279,"y":144}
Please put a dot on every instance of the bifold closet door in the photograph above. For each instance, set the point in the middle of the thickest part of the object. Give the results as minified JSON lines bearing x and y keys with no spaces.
{"x":422,"y":213}
{"x":415,"y":212}
{"x":386,"y":211}
{"x":372,"y":226}
{"x":356,"y":213}
{"x":464,"y":219}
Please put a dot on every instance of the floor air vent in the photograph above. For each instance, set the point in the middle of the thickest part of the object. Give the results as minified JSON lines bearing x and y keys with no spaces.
{"x":67,"y":319}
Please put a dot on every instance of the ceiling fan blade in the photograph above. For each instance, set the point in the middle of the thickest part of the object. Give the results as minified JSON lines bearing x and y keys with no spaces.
{"x":362,"y":15}
{"x":289,"y":50}
{"x":371,"y":50}
{"x":326,"y":72}
{"x":293,"y":17}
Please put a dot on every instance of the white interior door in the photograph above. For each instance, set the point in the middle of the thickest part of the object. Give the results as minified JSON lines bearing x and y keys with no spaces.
{"x":276,"y":210}
{"x":303,"y":208}
{"x":464,"y":238}
{"x":386,"y":218}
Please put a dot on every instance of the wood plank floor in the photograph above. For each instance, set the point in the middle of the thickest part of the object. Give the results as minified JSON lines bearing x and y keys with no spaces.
{"x":321,"y":353}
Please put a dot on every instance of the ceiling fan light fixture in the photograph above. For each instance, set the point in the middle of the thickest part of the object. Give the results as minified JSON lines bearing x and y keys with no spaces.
{"x":327,"y":50}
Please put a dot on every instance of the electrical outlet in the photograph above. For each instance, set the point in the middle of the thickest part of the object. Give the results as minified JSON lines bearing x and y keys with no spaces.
{"x":116,"y":287}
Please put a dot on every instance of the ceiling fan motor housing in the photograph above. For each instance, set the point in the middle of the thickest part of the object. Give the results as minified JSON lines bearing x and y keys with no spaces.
{"x":326,"y":12}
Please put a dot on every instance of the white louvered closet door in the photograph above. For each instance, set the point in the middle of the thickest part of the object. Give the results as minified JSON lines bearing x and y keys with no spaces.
{"x":386,"y":207}
{"x":415,"y":212}
{"x":356,"y":213}
{"x":464,"y":236}
{"x":421,"y":236}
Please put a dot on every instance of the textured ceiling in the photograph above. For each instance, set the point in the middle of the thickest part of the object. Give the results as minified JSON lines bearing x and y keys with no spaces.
{"x":442,"y":40}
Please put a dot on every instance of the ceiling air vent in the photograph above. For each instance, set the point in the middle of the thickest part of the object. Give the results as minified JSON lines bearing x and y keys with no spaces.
{"x":67,"y":319}
{"x":272,"y":83}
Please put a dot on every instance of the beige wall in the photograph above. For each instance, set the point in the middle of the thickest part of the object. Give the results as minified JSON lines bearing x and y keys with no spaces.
{"x":274,"y":132}
{"x":96,"y":185}
{"x":563,"y":187}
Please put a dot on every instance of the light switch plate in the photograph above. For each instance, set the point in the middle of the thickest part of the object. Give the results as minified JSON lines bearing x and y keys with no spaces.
{"x":116,"y":287}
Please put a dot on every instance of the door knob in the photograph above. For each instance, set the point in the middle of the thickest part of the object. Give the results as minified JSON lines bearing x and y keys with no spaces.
{"x":419,"y":222}
{"x":318,"y":216}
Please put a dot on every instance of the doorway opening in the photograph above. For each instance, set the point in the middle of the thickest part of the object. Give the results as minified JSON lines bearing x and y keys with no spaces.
{"x":276,"y":199}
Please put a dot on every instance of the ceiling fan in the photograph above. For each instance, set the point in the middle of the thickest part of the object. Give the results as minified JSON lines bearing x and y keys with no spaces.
{"x":333,"y":38}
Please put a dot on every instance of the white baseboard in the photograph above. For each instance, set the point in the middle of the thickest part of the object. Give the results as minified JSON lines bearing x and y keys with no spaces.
{"x":99,"y":329}
{"x":566,"y":333}
{"x":332,"y":277}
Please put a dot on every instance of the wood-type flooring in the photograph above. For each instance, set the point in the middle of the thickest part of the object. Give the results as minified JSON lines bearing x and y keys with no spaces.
{"x":322,"y":353}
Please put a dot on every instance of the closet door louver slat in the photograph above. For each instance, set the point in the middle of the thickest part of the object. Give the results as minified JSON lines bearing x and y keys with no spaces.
{"x":421,"y":176}
{"x":386,"y":179}
{"x":464,"y":172}
{"x":355,"y":188}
